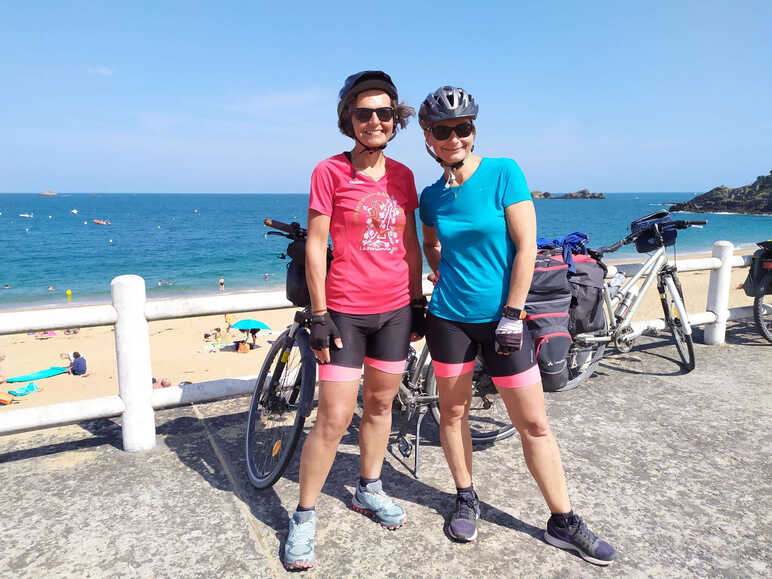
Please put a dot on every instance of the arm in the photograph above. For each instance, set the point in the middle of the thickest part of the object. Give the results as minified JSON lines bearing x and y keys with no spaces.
{"x":413,"y":256}
{"x":316,"y":259}
{"x":432,"y":249}
{"x":521,"y":224}
{"x":316,"y":272}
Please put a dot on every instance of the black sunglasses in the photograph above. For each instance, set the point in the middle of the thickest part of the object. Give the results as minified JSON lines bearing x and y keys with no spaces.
{"x":442,"y":132}
{"x":385,"y":114}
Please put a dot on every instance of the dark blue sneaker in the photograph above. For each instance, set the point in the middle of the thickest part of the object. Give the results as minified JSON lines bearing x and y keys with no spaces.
{"x":463,"y":522}
{"x":576,"y":536}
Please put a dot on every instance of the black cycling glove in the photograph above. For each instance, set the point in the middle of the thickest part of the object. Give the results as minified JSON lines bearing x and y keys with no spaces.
{"x":322,"y":328}
{"x":418,"y":320}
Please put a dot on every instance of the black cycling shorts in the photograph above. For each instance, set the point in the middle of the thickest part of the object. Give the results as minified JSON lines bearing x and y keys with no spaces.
{"x":378,"y":340}
{"x":454,"y":346}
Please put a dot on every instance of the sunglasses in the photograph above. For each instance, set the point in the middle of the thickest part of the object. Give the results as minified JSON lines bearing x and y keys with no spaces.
{"x":442,"y":132}
{"x":385,"y":114}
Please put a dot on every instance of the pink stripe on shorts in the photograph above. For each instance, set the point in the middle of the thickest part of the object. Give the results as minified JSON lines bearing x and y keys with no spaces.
{"x":333,"y":373}
{"x":444,"y":370}
{"x":386,"y":366}
{"x":524,"y":378}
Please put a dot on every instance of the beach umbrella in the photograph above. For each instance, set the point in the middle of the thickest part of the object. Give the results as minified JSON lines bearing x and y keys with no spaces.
{"x":249,"y":324}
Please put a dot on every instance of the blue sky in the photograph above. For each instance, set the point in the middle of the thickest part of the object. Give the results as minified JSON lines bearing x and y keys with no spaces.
{"x":240,"y":96}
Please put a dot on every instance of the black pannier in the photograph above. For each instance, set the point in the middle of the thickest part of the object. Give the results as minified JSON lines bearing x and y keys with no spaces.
{"x":586,"y":311}
{"x":547,"y":319}
{"x":760,"y":264}
{"x":646,"y":242}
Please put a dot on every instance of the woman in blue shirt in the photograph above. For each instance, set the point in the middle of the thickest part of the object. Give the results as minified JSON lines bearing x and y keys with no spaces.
{"x":479,"y":229}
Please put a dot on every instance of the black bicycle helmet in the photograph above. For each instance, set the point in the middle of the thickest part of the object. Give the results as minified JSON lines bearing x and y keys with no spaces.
{"x":365,"y":80}
{"x":447,"y":102}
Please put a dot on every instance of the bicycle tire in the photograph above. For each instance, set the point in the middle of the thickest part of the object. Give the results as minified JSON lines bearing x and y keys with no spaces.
{"x":488,"y":417}
{"x":683,"y":342}
{"x":762,"y":312}
{"x":275,"y":414}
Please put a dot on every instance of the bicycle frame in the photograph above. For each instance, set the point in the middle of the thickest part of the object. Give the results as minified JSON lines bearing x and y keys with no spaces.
{"x":621,"y":308}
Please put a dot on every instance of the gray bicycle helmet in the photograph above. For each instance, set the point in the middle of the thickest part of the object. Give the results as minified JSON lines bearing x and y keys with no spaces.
{"x":447,"y":102}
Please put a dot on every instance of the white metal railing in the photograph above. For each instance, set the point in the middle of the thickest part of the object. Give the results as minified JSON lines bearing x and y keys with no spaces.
{"x":130,"y":312}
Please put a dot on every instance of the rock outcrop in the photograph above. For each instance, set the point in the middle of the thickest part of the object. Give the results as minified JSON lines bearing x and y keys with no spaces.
{"x":753,"y":198}
{"x":581,"y":194}
{"x":48,"y":193}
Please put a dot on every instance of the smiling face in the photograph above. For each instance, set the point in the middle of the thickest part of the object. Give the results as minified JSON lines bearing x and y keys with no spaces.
{"x":373,"y":132}
{"x":454,"y":148}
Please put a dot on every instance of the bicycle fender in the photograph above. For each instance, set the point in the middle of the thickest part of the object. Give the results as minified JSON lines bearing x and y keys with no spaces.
{"x":308,"y":365}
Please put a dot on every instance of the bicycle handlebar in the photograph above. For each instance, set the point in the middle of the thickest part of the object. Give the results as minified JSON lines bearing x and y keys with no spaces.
{"x":680,"y":224}
{"x":293,"y":230}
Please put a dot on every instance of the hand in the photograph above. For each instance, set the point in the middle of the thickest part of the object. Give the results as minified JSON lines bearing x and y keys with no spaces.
{"x":434,"y":277}
{"x":509,"y":336}
{"x":322,"y":327}
{"x":418,"y":319}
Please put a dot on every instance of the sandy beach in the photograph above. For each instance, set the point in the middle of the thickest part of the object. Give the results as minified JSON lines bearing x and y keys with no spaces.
{"x":179,"y":351}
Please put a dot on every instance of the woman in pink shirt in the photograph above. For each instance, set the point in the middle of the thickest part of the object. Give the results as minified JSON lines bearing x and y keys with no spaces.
{"x":369,"y":306}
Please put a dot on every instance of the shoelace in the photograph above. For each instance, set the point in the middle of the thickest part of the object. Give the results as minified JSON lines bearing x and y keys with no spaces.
{"x":466,"y":508}
{"x":304,"y":532}
{"x":584,"y":536}
{"x":379,"y":499}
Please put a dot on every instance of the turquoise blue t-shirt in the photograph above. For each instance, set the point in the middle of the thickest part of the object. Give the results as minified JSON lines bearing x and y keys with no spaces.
{"x":477,"y":251}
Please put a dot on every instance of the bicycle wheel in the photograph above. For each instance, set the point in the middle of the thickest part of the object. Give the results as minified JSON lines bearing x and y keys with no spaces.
{"x":673,"y":318}
{"x":275,"y":417}
{"x":762,"y":308}
{"x":488,"y":417}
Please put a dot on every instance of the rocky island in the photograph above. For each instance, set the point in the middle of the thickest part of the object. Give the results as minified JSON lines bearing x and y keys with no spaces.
{"x":581,"y":194}
{"x":753,"y":198}
{"x":48,"y":193}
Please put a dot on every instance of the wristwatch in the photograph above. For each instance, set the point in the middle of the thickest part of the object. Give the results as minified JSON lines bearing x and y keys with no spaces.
{"x":514,"y":313}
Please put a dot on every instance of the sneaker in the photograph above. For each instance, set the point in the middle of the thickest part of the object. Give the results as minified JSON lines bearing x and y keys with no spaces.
{"x":376,"y":504}
{"x":579,"y":538}
{"x":299,"y":548}
{"x":463,"y":522}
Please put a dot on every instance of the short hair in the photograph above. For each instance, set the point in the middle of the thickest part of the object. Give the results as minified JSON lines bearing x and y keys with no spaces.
{"x":76,"y":354}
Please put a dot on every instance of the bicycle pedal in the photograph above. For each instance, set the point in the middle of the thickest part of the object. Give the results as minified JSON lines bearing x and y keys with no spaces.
{"x":405,"y":448}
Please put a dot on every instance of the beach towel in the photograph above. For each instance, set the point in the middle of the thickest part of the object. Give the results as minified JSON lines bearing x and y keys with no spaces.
{"x":52,"y":371}
{"x":24,"y":390}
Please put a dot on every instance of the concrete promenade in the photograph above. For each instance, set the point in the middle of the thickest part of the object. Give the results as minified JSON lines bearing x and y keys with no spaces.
{"x":672,"y":469}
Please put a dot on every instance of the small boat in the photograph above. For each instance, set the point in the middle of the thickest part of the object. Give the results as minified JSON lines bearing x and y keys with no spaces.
{"x":48,"y":193}
{"x":101,"y":222}
{"x":74,"y":211}
{"x":26,"y":214}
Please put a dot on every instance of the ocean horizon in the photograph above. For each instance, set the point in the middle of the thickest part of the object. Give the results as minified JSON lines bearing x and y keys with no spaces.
{"x":182,"y":243}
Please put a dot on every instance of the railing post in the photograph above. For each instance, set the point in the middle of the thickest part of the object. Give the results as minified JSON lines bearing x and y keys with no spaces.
{"x":132,"y":352}
{"x":718,"y":293}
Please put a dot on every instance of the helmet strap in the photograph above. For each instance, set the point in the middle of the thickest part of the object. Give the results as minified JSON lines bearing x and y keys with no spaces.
{"x":450,"y":168}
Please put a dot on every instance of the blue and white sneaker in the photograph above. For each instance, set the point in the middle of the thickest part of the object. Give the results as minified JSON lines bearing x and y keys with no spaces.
{"x":376,"y":504}
{"x":299,"y":548}
{"x":572,"y":534}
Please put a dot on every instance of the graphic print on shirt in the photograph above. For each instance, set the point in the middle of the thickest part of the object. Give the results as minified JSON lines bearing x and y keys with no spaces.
{"x":381,"y":215}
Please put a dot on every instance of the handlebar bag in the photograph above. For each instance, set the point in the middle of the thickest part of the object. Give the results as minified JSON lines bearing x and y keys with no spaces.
{"x":646,"y":241}
{"x":296,"y":285}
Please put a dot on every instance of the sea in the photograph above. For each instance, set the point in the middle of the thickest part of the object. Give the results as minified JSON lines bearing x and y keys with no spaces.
{"x":181,"y":244}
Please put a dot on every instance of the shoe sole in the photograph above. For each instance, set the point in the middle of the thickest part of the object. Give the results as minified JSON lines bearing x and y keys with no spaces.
{"x":374,"y":517}
{"x":560,"y":544}
{"x":298,"y":566}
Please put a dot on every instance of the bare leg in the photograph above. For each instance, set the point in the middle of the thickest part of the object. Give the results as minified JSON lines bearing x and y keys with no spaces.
{"x":337,"y":401}
{"x":378,"y":394}
{"x":525,"y":406}
{"x":455,"y":398}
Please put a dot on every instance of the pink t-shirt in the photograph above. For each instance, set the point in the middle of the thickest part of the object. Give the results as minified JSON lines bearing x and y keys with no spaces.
{"x":369,"y":274}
